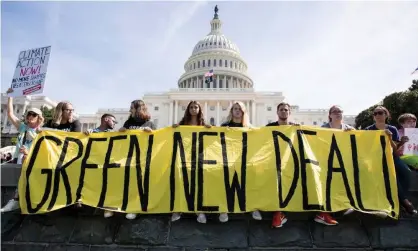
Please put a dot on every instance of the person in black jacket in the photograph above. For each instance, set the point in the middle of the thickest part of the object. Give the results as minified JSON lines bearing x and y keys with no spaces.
{"x":238,"y":117}
{"x":138,"y":120}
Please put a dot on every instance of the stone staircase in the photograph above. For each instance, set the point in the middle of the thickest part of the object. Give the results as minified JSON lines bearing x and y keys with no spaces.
{"x":85,"y":229}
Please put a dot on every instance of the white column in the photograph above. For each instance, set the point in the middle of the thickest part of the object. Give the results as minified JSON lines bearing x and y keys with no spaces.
{"x":24,"y":108}
{"x":217,"y":114}
{"x":206,"y":111}
{"x":253,"y":104}
{"x":197,"y":82}
{"x":247,"y":106}
{"x":217,"y":82}
{"x":5,"y":119}
{"x":170,"y":114}
{"x":175,"y":110}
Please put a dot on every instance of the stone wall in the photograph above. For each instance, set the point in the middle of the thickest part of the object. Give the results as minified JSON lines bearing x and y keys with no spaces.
{"x":85,"y":229}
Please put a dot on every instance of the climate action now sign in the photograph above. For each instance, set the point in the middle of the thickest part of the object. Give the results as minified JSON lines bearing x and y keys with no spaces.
{"x":30,"y":72}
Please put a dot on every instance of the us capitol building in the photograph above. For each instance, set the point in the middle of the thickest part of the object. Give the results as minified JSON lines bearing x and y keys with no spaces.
{"x":230,"y":83}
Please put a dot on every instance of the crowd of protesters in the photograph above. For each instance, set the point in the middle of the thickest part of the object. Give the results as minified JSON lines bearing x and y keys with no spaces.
{"x":139,"y":119}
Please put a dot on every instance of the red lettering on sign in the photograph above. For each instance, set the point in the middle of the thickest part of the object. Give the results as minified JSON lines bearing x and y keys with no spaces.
{"x":30,"y":70}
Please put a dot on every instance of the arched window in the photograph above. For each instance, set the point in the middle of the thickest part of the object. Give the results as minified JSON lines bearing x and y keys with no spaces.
{"x":226,"y":63}
{"x":214,"y":62}
{"x":198,"y":64}
{"x":212,"y":121}
{"x":230,"y":64}
{"x":194,"y":65}
{"x":208,"y":62}
{"x":220,"y":62}
{"x":203,"y":62}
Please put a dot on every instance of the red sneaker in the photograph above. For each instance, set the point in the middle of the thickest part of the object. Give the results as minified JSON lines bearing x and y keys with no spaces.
{"x":326,"y":219}
{"x":279,"y":219}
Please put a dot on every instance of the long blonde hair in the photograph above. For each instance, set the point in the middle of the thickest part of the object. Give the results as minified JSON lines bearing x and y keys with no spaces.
{"x":57,"y":117}
{"x":245,"y":117}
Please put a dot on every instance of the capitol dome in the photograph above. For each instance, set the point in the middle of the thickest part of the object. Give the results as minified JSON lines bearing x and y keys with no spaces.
{"x":215,"y":40}
{"x":215,"y":52}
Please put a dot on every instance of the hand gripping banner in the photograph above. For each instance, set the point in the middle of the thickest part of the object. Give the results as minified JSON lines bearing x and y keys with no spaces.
{"x":197,"y":169}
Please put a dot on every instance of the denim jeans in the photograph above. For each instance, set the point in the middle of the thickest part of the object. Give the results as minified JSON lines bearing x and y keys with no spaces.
{"x":403,"y":177}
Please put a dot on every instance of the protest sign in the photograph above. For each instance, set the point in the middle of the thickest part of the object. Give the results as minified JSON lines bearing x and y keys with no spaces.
{"x":30,"y":72}
{"x":410,"y":150}
{"x":197,"y":169}
{"x":411,"y":147}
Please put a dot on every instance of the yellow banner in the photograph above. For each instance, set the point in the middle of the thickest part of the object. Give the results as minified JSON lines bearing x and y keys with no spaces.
{"x":196,"y":169}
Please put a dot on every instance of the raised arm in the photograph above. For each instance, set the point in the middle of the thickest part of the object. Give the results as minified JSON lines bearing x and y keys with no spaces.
{"x":10,"y":114}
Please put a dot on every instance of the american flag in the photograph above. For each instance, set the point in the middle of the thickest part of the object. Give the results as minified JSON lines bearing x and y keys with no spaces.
{"x":209,"y":73}
{"x":416,"y":70}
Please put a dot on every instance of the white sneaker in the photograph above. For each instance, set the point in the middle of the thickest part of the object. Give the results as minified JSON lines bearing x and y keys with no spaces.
{"x":201,"y":218}
{"x":108,"y":214}
{"x":130,"y":216}
{"x":257,"y":215}
{"x":223,"y":217}
{"x":348,"y":211}
{"x":11,"y":206}
{"x":175,"y":216}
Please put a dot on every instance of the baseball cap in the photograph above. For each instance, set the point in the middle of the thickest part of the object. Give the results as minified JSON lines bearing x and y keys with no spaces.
{"x":34,"y":110}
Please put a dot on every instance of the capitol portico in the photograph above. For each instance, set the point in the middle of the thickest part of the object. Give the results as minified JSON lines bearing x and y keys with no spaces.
{"x":230,"y":83}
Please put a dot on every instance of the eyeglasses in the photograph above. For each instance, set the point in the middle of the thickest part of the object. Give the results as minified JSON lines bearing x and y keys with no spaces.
{"x":32,"y":114}
{"x":378,"y":113}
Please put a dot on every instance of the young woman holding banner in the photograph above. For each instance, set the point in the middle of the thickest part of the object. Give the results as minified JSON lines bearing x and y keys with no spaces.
{"x":238,"y":117}
{"x":28,"y":131}
{"x":63,"y":118}
{"x":335,"y":121}
{"x":193,"y":116}
{"x":140,"y":119}
{"x":381,"y":115}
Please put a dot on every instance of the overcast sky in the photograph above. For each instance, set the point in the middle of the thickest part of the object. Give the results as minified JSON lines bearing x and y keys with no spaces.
{"x":105,"y":54}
